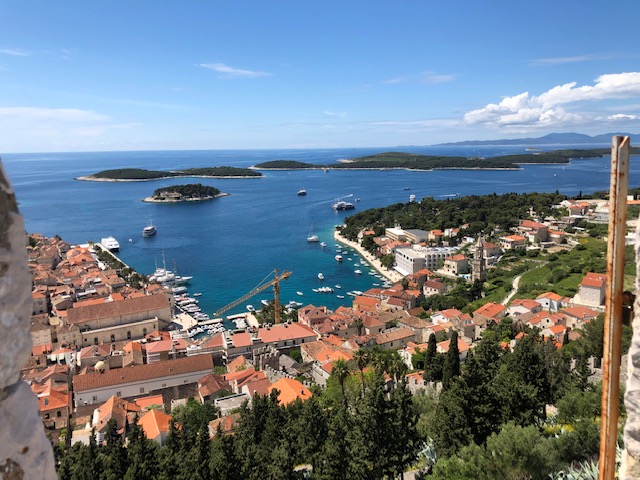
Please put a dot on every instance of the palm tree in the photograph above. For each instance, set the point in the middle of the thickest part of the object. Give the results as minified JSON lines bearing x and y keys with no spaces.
{"x":341,"y":372}
{"x":361,"y":357}
{"x":359,"y":325}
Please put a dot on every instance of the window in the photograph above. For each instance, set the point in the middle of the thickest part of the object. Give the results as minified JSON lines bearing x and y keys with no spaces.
{"x":58,"y":413}
{"x":142,"y":390}
{"x":113,"y":338}
{"x":95,"y":398}
{"x":118,"y":394}
{"x":129,"y":335}
{"x":164,"y":385}
{"x":46,"y":416}
{"x":95,"y":340}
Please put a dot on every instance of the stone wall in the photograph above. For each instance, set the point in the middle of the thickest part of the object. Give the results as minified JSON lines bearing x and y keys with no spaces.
{"x":25,"y":451}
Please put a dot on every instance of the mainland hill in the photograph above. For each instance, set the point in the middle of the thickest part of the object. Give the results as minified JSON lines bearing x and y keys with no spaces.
{"x":413,"y":161}
{"x":141,"y":174}
{"x":552,"y":139}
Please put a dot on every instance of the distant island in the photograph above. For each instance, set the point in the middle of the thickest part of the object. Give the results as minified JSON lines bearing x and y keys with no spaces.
{"x":193,"y":192}
{"x":141,"y":174}
{"x":413,"y":161}
{"x":551,"y":139}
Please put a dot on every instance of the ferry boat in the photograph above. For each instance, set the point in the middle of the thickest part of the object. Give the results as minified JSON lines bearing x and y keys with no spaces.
{"x":110,"y":243}
{"x":342,"y":205}
{"x":149,"y":231}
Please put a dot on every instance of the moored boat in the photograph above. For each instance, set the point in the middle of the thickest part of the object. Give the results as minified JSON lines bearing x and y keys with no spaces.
{"x":339,"y":258}
{"x":302,"y":192}
{"x":110,"y":243}
{"x":321,"y":276}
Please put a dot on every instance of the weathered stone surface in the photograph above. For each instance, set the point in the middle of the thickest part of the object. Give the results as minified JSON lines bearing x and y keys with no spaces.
{"x":15,"y":287}
{"x":24,"y":448}
{"x":630,"y":468}
{"x":25,"y":451}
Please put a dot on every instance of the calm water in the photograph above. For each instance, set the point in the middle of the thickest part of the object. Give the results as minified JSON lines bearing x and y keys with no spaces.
{"x":230,"y":244}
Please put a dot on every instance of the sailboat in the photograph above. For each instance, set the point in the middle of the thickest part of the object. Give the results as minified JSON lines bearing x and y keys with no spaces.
{"x":312,"y":237}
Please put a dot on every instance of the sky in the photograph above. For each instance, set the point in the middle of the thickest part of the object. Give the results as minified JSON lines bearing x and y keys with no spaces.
{"x":109,"y":75}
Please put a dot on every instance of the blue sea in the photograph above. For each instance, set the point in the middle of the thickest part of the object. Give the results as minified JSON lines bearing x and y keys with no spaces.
{"x":232,"y":243}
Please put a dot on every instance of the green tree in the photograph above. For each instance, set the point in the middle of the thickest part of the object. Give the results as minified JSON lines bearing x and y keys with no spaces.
{"x":451,"y":368}
{"x":361,"y":357}
{"x":340,"y":371}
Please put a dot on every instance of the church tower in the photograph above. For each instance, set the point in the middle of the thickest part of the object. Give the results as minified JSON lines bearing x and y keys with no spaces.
{"x":477,"y":266}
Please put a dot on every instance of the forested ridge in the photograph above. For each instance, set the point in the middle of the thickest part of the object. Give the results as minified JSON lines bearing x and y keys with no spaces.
{"x":481,"y":212}
{"x":144,"y":174}
{"x":414,"y":161}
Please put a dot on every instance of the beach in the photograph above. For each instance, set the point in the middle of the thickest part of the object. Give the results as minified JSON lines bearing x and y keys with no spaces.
{"x":391,"y":275}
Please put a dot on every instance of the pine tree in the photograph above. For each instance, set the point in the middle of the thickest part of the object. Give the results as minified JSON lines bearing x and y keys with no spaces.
{"x":451,"y":368}
{"x":430,"y":359}
{"x":333,"y":459}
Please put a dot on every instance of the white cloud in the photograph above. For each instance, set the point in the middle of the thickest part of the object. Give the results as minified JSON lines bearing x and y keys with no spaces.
{"x":335,"y":114}
{"x":430,"y":77}
{"x":623,"y":116}
{"x":547,"y":62}
{"x":15,"y":52}
{"x":422,"y":77}
{"x":547,"y":109}
{"x":32,"y":124}
{"x":228,"y":71}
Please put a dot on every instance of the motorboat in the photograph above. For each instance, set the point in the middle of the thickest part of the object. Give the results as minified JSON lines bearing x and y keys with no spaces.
{"x":250,"y":308}
{"x":323,"y":244}
{"x":264,"y":302}
{"x":339,"y":296}
{"x":339,"y":258}
{"x":338,"y":286}
{"x":110,"y":244}
{"x":150,"y":230}
{"x":302,"y":192}
{"x":300,"y":293}
{"x":357,"y":272}
{"x":321,"y":276}
{"x":197,"y":294}
{"x":179,"y":289}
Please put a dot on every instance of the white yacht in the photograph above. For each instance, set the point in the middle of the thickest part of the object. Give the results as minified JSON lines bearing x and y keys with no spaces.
{"x":339,"y":258}
{"x":110,"y":243}
{"x":150,"y":230}
{"x":321,"y":276}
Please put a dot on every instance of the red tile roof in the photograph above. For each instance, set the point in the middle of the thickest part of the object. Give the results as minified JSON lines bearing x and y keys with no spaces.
{"x":140,"y":373}
{"x":278,"y":333}
{"x":290,"y":390}
{"x":154,"y":423}
{"x":115,"y":309}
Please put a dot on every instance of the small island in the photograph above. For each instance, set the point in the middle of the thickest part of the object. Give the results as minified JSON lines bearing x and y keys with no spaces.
{"x":414,"y":161}
{"x":141,"y":174}
{"x":193,"y":192}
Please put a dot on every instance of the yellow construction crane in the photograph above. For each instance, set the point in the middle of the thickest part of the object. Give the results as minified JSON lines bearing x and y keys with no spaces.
{"x":261,"y":288}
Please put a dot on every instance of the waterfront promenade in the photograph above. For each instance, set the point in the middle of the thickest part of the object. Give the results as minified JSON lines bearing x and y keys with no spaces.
{"x":391,"y":275}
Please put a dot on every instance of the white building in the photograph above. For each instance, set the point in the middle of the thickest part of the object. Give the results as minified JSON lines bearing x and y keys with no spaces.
{"x":411,"y":260}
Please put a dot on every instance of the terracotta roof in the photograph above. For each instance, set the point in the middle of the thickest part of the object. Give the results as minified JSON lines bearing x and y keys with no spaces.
{"x":514,"y":238}
{"x":595,"y":280}
{"x":211,"y":383}
{"x":52,"y":399}
{"x":149,"y":400}
{"x":241,"y":339}
{"x":154,"y":423}
{"x":258,"y":386}
{"x":551,"y":296}
{"x":444,"y":346}
{"x":290,"y":390}
{"x":368,"y":302}
{"x":581,"y":313}
{"x":284,"y":331}
{"x":227,"y":423}
{"x":116,"y":408}
{"x":236,"y":364}
{"x":215,"y":341}
{"x":393,"y":335}
{"x":526,"y":303}
{"x":139,"y":373}
{"x":490,"y":310}
{"x":115,"y":309}
{"x":450,"y":313}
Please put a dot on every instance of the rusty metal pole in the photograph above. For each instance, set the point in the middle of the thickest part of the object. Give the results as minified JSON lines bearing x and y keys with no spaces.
{"x":613,"y":311}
